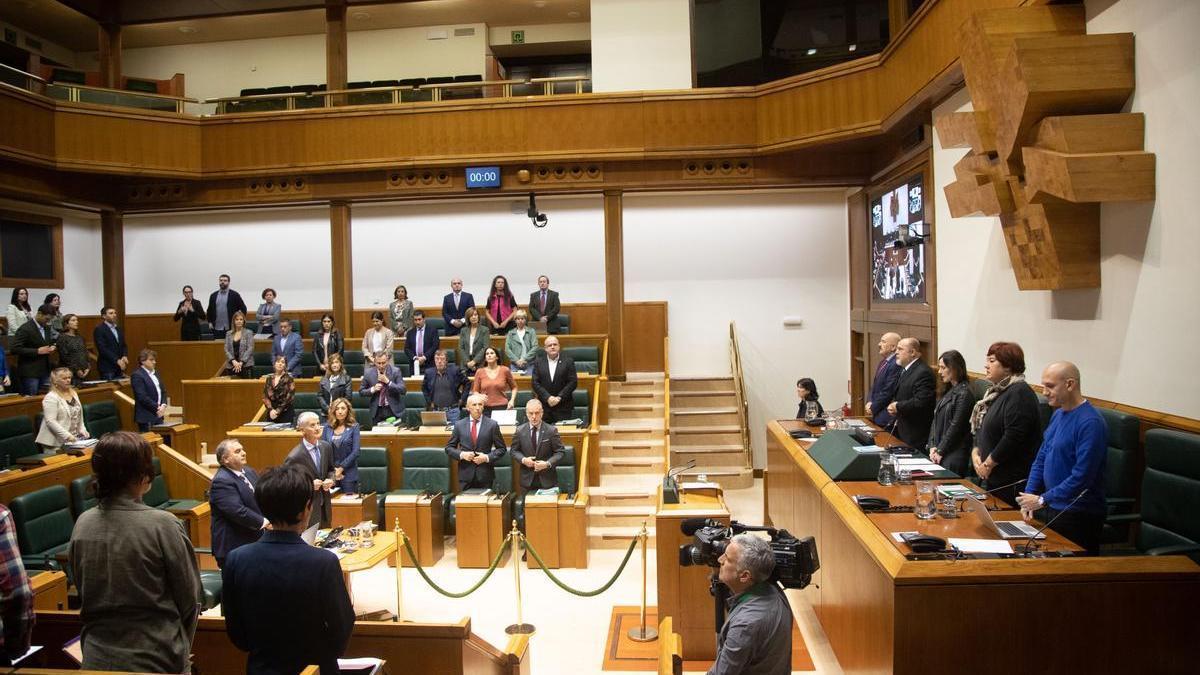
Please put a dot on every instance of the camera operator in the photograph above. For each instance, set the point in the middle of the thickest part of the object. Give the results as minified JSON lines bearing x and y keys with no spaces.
{"x":757,"y":636}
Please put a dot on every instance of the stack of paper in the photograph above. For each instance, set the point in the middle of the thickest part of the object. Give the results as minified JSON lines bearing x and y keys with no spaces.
{"x":868,"y":449}
{"x":917,"y":463}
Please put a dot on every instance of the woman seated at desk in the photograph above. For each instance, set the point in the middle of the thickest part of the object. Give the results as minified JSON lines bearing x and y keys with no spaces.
{"x":378,"y":338}
{"x":341,"y":431}
{"x":496,"y":383}
{"x":278,"y":392}
{"x":810,"y":407}
{"x":239,"y":349}
{"x":334,"y":384}
{"x":62,"y":413}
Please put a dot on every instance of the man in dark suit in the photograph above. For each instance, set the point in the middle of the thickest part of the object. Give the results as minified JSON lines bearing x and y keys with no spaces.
{"x":236,"y":519}
{"x":384,"y":384}
{"x":883,"y":387}
{"x":149,"y":396}
{"x":112,"y":355}
{"x":420,"y":342}
{"x":544,"y":305}
{"x":33,"y":344}
{"x":445,"y":386}
{"x":222,"y":305}
{"x":554,"y":382}
{"x":538,"y":448}
{"x":316,"y":458}
{"x":477,"y":445}
{"x":284,"y":601}
{"x":288,"y":345}
{"x":454,"y":307}
{"x":915,"y":397}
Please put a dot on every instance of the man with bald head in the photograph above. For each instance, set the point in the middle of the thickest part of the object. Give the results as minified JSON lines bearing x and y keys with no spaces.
{"x":1067,"y":477}
{"x":887,"y":376}
{"x":538,"y":448}
{"x":912,"y":406}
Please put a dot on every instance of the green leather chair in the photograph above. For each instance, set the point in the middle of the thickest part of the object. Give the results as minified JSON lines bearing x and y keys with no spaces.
{"x":353,"y":360}
{"x":43,"y":522}
{"x":16,"y":439}
{"x":1170,"y":514}
{"x":307,"y":402}
{"x":503,"y":483}
{"x":373,"y":476}
{"x":100,"y":418}
{"x":314,"y":328}
{"x":83,"y":495}
{"x":587,"y":359}
{"x":308,"y":365}
{"x":1120,"y":471}
{"x":438,"y":323}
{"x":159,"y":496}
{"x":262,"y":364}
{"x":1045,"y":412}
{"x":583,"y":409}
{"x":564,"y":324}
{"x":399,"y":360}
{"x":252,"y":325}
{"x":979,"y":387}
{"x":414,"y":403}
{"x":428,"y":470}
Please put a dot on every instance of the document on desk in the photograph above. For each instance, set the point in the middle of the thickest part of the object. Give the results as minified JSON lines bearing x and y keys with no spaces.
{"x":980,"y":545}
{"x":868,"y":449}
{"x":917,"y":463}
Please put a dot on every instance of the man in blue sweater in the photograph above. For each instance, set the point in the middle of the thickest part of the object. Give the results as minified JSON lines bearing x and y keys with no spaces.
{"x":1067,"y":477}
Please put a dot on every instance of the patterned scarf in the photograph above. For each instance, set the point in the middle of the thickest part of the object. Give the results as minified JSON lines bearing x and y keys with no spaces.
{"x":992,"y":394}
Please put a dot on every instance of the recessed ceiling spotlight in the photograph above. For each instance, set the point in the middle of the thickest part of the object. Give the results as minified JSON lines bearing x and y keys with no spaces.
{"x":853,"y":48}
{"x":811,"y":52}
{"x":187,"y":30}
{"x":573,"y":14}
{"x":360,"y":16}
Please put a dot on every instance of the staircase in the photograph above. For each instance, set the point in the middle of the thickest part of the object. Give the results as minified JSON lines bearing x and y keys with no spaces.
{"x":706,"y":427}
{"x":631,"y":462}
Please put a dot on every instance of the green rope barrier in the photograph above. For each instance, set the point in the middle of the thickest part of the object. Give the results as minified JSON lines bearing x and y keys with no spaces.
{"x":586,"y":594}
{"x":412,"y":555}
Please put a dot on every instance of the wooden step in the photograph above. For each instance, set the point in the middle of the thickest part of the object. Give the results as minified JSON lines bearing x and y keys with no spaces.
{"x":603,"y":495}
{"x":704,"y":417}
{"x":681,"y":384}
{"x":703,"y":399}
{"x":689,"y":436}
{"x":724,"y":457}
{"x":633,"y":516}
{"x":647,"y":464}
{"x":644,"y":377}
{"x":635,"y":396}
{"x":620,"y":412}
{"x":616,"y":536}
{"x":652,"y":446}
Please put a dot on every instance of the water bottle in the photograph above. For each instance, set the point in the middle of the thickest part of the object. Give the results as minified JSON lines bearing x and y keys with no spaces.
{"x":887,"y":468}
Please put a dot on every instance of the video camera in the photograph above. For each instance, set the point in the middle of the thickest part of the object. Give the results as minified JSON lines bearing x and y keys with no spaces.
{"x":795,"y":559}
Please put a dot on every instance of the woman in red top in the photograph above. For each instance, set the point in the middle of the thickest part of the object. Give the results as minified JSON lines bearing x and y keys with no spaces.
{"x":496,"y":382}
{"x":500,"y":306}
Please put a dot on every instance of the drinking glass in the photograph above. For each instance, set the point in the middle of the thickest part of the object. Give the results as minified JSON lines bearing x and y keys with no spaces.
{"x":926,"y":504}
{"x":887,"y":468}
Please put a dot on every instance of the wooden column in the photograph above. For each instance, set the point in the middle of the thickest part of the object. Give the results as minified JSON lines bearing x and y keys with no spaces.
{"x":342,"y":266}
{"x":112,"y":257}
{"x":335,"y":48}
{"x":110,"y":45}
{"x":614,"y":283}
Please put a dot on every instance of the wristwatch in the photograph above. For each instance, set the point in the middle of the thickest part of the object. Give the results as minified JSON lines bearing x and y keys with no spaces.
{"x":1041,"y":500}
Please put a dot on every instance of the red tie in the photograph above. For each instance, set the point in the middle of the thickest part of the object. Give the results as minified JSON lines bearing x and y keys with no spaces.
{"x":474,"y":432}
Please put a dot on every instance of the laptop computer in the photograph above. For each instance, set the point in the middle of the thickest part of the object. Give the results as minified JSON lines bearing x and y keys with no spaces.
{"x":433,"y":418}
{"x":1005,"y":529}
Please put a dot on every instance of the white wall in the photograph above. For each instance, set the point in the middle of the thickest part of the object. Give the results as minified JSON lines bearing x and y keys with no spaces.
{"x":641,"y":44}
{"x":1133,"y":338}
{"x":285,"y":249}
{"x":476,"y":240}
{"x":398,"y":53}
{"x":754,"y":259}
{"x":579,"y":31}
{"x":83,"y":278}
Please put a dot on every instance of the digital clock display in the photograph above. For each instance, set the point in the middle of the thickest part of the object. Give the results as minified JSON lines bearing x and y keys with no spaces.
{"x":483,"y":177}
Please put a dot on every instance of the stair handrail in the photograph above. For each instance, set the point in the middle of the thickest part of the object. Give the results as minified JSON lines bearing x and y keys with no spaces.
{"x":666,"y":403}
{"x":743,"y":408}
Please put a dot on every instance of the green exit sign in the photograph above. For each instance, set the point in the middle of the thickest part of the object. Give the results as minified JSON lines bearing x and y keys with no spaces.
{"x":518,"y":37}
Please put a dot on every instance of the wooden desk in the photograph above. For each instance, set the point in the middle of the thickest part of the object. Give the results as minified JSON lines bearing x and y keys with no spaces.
{"x":49,"y":590}
{"x":541,"y":529}
{"x":683,"y":591}
{"x":366,"y":558}
{"x":422,"y":519}
{"x":481,"y":523}
{"x":349,"y":511}
{"x":879,"y":610}
{"x":16,"y":483}
{"x":183,"y":438}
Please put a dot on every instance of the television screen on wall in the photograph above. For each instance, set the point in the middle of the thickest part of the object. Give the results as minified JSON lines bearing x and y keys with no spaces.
{"x":897,"y":245}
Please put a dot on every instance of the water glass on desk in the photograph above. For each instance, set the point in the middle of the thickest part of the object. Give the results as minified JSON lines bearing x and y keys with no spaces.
{"x":887,"y":468}
{"x":926,"y":505}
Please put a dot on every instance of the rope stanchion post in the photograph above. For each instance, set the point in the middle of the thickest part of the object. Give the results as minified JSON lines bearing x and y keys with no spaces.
{"x":399,"y":567}
{"x":643,"y":633}
{"x":518,"y":628}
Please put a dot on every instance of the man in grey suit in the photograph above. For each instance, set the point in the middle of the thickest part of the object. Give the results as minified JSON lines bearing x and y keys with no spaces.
{"x":544,"y":305}
{"x":538,"y":448}
{"x":316,"y":457}
{"x":384,"y":383}
{"x":477,"y":445}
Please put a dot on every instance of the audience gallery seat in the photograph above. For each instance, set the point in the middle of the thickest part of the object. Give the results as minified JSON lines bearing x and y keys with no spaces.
{"x":44,"y":523}
{"x":1170,"y":513}
{"x":1120,"y":471}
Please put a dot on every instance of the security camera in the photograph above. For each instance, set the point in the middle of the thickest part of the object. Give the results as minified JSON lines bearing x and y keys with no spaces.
{"x":538,"y":219}
{"x":908,"y":238}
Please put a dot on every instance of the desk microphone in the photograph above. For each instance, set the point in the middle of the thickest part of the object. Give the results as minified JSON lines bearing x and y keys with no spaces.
{"x":1002,"y":487}
{"x":1025,"y":549}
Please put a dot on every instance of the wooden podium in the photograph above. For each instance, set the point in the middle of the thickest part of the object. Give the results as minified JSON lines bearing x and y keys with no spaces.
{"x":481,"y":523}
{"x":349,"y":511}
{"x":423,"y":523}
{"x":683,"y":591}
{"x":541,"y":529}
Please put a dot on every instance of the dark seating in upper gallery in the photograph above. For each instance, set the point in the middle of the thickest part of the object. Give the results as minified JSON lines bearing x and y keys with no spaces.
{"x":250,"y":106}
{"x":1169,"y":521}
{"x":414,"y":94}
{"x":16,"y":439}
{"x":1120,"y":471}
{"x":439,"y":80}
{"x":43,"y":522}
{"x":465,"y":92}
{"x":366,"y":97}
{"x":311,"y":101}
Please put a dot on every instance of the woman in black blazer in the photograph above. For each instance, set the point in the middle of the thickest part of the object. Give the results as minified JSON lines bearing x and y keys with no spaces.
{"x":950,"y":434}
{"x":1005,"y":422}
{"x":326,"y":343}
{"x":189,"y":314}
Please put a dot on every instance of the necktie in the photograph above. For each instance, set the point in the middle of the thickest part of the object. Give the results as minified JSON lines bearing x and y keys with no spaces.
{"x":456,"y":301}
{"x":882,"y":363}
{"x":420,"y":341}
{"x":246,"y":480}
{"x":543,"y":302}
{"x":474,"y":432}
{"x":316,"y":456}
{"x":383,"y":402}
{"x":533,"y":438}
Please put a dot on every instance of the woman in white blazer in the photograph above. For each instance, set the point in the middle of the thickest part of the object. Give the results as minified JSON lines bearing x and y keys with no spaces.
{"x":62,"y":413}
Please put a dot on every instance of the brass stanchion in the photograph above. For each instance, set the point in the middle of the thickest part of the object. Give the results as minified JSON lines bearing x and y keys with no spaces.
{"x":518,"y":628}
{"x":643,"y":633}
{"x":399,"y":567}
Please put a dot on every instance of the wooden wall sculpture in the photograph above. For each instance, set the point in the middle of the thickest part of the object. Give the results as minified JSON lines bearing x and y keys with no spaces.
{"x":1048,"y":141}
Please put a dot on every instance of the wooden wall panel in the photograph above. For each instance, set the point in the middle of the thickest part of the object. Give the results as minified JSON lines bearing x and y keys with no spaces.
{"x":120,"y":141}
{"x":27,"y":133}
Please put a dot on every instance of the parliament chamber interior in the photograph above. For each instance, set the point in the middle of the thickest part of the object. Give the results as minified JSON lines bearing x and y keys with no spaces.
{"x":632,"y":240}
